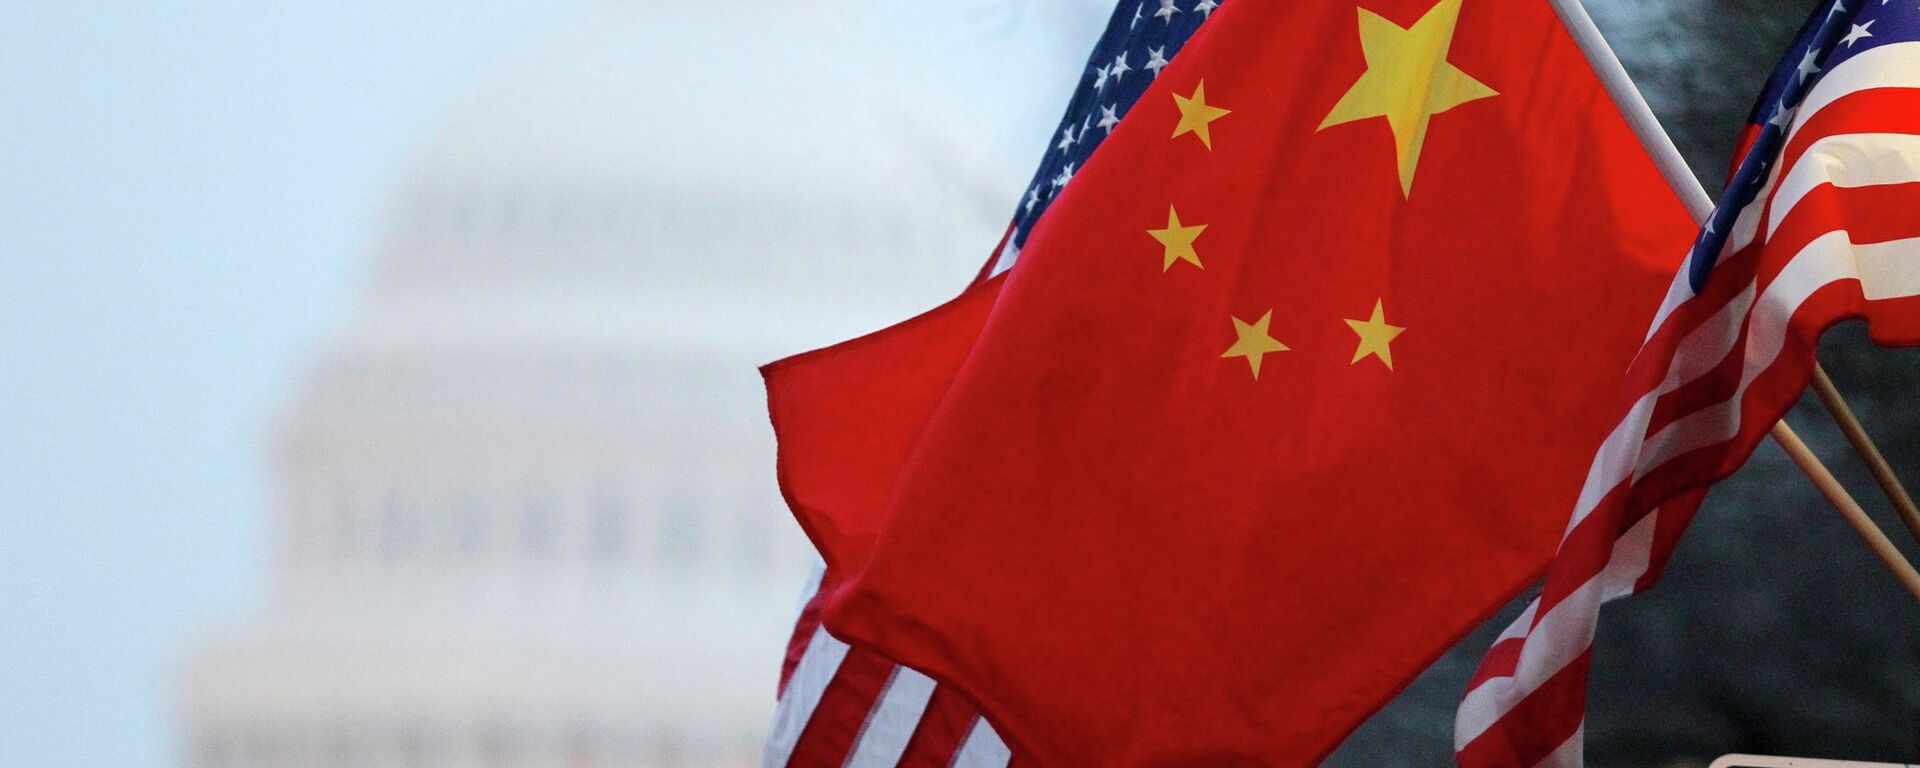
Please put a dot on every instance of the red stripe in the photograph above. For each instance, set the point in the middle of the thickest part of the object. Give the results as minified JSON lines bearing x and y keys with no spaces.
{"x":803,"y":630}
{"x":837,"y":720}
{"x":1547,"y":716}
{"x":1821,"y":211}
{"x":1501,"y":660}
{"x":942,"y":726}
{"x":1679,"y":474}
{"x":1861,"y":211}
{"x":1544,"y":720}
{"x":1894,"y":322}
{"x":1655,"y":359}
{"x":1749,"y":136}
{"x":1774,"y":389}
{"x":1875,"y":110}
{"x":1811,"y":219}
{"x":1674,"y":513}
{"x":1718,"y":384}
{"x":1772,"y":392}
{"x":1585,"y":551}
{"x":1537,"y":725}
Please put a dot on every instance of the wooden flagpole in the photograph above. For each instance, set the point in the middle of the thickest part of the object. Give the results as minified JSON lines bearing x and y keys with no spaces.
{"x":1849,"y":509}
{"x":1633,"y":106}
{"x":1862,"y":444}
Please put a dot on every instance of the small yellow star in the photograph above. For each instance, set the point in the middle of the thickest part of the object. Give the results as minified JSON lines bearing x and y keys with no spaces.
{"x":1196,"y":114}
{"x":1408,"y":81}
{"x":1376,"y":336}
{"x":1178,"y":240}
{"x":1253,"y":342}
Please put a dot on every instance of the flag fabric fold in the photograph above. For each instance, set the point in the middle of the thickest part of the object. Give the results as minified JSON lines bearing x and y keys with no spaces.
{"x":845,"y":434}
{"x":1813,"y":229}
{"x":1279,"y":399}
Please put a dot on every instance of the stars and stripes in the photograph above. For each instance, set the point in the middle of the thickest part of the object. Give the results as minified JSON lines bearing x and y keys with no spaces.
{"x":1814,"y":227}
{"x":1141,"y":39}
{"x":847,"y":706}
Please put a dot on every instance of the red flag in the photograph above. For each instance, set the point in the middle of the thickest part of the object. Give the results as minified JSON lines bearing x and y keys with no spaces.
{"x":1812,"y":229}
{"x":1287,"y":393}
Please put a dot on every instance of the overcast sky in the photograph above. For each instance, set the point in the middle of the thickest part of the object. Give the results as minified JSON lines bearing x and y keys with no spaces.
{"x":188,"y":192}
{"x":185,"y":192}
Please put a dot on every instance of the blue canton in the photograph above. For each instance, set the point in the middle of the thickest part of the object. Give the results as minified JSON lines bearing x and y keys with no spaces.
{"x":1837,"y":31}
{"x":1141,"y":39}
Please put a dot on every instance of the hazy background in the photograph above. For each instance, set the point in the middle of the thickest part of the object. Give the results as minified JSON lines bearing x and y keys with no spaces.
{"x":188,"y":193}
{"x":1773,"y":631}
{"x":187,"y":190}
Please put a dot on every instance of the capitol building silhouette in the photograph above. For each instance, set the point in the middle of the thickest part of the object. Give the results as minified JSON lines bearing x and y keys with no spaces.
{"x":524,"y":509}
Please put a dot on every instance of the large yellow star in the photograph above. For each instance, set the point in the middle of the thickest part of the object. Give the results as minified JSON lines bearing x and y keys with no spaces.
{"x":1253,"y":342}
{"x":1177,"y":240}
{"x":1408,"y":81}
{"x":1376,"y":336}
{"x":1196,"y":114}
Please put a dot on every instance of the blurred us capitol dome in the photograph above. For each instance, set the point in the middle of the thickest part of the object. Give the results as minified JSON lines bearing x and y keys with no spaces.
{"x":524,"y":502}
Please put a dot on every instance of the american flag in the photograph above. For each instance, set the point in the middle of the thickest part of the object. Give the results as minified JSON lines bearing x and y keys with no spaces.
{"x":1816,"y":225}
{"x":846,"y":706}
{"x":1141,"y":39}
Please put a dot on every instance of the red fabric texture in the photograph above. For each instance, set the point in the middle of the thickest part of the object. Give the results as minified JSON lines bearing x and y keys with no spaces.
{"x":1058,"y":497}
{"x":848,"y":415}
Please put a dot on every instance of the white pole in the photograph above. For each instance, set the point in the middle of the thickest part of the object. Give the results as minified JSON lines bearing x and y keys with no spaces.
{"x":1634,"y":107}
{"x":1673,"y":167}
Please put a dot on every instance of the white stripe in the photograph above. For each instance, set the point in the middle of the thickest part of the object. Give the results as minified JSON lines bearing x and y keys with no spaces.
{"x":813,"y":587}
{"x":1563,"y":633}
{"x":1678,"y":292}
{"x":1610,"y":463}
{"x":1723,"y":331}
{"x":1885,"y":270}
{"x":1520,"y":623}
{"x":1810,"y":269}
{"x":1566,"y":631}
{"x":1705,"y":346}
{"x":891,"y":724}
{"x":1632,"y":552}
{"x":1567,"y":755}
{"x":1746,"y":226}
{"x":804,"y":689}
{"x":1702,"y":349}
{"x":1888,"y":66}
{"x":1561,"y":636}
{"x":1847,"y":161}
{"x":1552,"y":644}
{"x":1888,"y":270}
{"x":1003,"y":261}
{"x":1821,"y":262}
{"x":982,"y":749}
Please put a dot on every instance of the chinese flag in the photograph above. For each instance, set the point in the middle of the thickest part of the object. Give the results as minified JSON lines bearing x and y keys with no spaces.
{"x":1291,"y":388}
